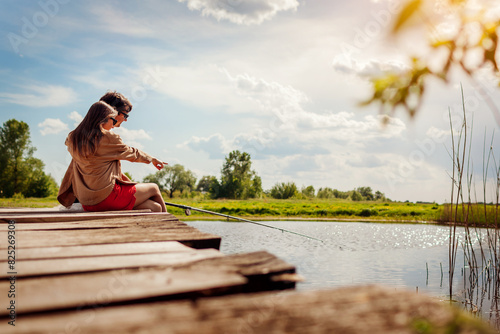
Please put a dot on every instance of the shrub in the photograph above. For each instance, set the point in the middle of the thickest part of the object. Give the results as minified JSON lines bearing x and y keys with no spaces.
{"x":368,"y":213}
{"x":284,"y":190}
{"x":344,"y":212}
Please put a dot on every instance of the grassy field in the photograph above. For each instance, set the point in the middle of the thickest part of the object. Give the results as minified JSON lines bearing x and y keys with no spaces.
{"x":308,"y":209}
{"x":21,"y":202}
{"x":313,"y":209}
{"x":273,"y":209}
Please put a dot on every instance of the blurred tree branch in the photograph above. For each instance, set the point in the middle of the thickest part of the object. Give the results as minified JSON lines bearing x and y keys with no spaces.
{"x":472,"y":47}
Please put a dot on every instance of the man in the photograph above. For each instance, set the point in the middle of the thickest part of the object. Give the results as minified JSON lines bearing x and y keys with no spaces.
{"x":120,"y":103}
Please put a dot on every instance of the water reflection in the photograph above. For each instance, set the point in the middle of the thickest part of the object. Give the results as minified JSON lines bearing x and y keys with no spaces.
{"x":403,"y":256}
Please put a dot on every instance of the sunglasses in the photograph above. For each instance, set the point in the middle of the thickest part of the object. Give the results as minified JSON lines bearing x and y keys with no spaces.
{"x":114,"y":121}
{"x":125,"y":115}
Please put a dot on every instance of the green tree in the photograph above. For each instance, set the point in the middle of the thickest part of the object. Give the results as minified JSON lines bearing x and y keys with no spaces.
{"x":20,"y":172}
{"x":209,"y":185}
{"x":156,"y":178}
{"x":15,"y":147}
{"x":366,"y":192}
{"x":238,"y":180}
{"x":37,"y":183}
{"x":204,"y":183}
{"x":255,"y":190}
{"x":356,"y":196}
{"x":284,"y":190}
{"x":340,"y":194}
{"x":308,"y":191}
{"x":379,"y":196}
{"x":325,"y":193}
{"x":173,"y":178}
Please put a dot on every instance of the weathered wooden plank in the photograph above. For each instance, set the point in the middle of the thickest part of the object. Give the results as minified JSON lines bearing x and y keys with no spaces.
{"x":360,"y":310}
{"x":100,"y":289}
{"x":192,"y":238}
{"x":263,"y":270}
{"x":8,"y":210}
{"x":248,"y":264}
{"x":59,"y":210}
{"x":143,"y":221}
{"x":100,"y":263}
{"x":219,"y":273}
{"x":99,"y":250}
{"x":76,"y":216}
{"x":145,"y":228}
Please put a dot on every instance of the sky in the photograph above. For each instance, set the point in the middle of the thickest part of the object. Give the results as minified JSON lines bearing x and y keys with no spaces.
{"x":279,"y":79}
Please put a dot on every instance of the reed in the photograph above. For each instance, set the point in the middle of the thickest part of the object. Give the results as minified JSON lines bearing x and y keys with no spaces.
{"x":480,"y":220}
{"x":475,"y":214}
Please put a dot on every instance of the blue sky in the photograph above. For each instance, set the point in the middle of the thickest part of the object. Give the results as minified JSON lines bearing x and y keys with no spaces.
{"x":279,"y":79}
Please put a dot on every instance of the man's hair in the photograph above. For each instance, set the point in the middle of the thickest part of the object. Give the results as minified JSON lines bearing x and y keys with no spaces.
{"x":117,"y":101}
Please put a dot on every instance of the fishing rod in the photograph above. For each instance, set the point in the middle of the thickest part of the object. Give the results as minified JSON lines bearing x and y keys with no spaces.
{"x":187,"y":210}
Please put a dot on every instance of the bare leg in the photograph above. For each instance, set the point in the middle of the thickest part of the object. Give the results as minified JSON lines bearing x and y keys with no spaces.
{"x":148,"y":196}
{"x":149,"y":204}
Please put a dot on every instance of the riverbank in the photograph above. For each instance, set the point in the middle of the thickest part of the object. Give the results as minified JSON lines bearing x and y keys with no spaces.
{"x":291,"y":209}
{"x":313,"y":209}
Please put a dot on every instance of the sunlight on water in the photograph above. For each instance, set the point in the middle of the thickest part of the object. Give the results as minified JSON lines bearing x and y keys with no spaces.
{"x":352,"y":253}
{"x":403,"y":256}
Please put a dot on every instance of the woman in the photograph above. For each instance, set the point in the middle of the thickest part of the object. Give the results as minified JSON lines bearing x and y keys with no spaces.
{"x":94,"y":175}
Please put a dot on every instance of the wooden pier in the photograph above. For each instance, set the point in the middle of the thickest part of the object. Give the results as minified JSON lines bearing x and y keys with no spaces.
{"x":142,"y":272}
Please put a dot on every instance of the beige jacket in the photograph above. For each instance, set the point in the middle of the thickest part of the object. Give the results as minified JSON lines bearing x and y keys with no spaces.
{"x":92,"y":179}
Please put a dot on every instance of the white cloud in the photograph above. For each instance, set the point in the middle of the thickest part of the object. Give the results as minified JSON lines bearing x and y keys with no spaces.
{"x":285,"y":103}
{"x":242,"y":11}
{"x":202,"y":85}
{"x":368,"y":69}
{"x":215,"y":145}
{"x":119,"y":22}
{"x":325,"y":136}
{"x":52,"y":126}
{"x":133,"y":137}
{"x":282,"y":101}
{"x":41,"y":96}
{"x":438,"y":135}
{"x":76,"y":117}
{"x":290,"y":128}
{"x":99,"y":79}
{"x":365,"y":161}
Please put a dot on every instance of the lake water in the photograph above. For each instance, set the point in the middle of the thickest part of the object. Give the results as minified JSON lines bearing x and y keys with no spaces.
{"x":402,"y":256}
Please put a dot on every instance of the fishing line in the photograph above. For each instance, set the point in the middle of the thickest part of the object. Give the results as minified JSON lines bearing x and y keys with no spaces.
{"x":189,"y":208}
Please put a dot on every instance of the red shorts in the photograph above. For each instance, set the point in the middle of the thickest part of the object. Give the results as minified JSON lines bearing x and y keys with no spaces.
{"x":121,"y":198}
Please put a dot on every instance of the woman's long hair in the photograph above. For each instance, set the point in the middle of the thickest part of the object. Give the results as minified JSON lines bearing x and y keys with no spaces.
{"x":88,"y":133}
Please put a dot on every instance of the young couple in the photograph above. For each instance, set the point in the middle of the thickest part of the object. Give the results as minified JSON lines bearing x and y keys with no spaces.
{"x":94,"y":176}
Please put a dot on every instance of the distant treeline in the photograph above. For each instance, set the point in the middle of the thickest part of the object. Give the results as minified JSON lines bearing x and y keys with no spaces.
{"x":239,"y":181}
